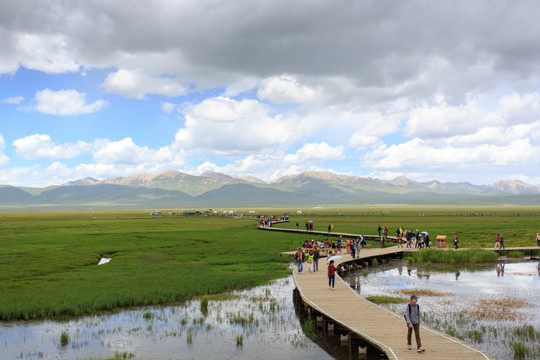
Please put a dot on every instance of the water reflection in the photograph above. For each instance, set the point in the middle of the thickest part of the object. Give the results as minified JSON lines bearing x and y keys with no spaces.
{"x":259,"y":323}
{"x":486,"y":305}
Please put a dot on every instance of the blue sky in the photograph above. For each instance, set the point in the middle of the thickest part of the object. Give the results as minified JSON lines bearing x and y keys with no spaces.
{"x":267,"y":89}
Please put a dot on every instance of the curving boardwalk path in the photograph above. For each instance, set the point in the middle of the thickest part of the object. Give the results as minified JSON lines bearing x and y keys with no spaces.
{"x":383,"y":328}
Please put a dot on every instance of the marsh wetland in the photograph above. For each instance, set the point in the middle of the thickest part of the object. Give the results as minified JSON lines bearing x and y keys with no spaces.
{"x":215,"y":287}
{"x":259,"y":323}
{"x":496,"y":310}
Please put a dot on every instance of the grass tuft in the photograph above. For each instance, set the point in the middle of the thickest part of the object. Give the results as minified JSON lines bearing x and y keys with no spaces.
{"x":239,"y":341}
{"x":472,"y":256}
{"x":64,"y":339}
{"x":387,"y":299}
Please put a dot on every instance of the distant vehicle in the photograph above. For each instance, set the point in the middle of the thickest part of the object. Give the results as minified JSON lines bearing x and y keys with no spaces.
{"x":155,"y":213}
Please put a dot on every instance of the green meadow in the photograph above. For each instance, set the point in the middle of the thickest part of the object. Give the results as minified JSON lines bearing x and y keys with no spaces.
{"x":48,"y":260}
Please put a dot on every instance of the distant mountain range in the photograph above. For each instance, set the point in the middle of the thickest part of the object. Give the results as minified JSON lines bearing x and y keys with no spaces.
{"x":174,"y":189}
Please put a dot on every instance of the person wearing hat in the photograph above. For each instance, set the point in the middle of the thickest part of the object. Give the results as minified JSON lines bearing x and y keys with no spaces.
{"x":412,"y":316}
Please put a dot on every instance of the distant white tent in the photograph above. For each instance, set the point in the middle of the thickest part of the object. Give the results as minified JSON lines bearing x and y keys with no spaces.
{"x":298,"y":212}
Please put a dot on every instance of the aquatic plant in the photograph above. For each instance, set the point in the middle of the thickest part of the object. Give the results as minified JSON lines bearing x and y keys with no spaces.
{"x":189,"y":336}
{"x":365,"y":272}
{"x":497,"y":309}
{"x":423,"y":292}
{"x":375,"y":262}
{"x":476,"y":336}
{"x":309,"y":326}
{"x":151,"y":265}
{"x":147,"y":315}
{"x":64,"y":338}
{"x":387,"y":299}
{"x":239,"y":340}
{"x":244,"y":321}
{"x":122,"y":356}
{"x":204,"y":305}
{"x":520,"y":350}
{"x":471,"y":256}
{"x":526,"y":331}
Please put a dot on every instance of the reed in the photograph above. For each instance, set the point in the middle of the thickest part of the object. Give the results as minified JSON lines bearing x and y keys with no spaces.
{"x":387,"y":299}
{"x":520,"y":350}
{"x":239,"y":341}
{"x":204,"y":305}
{"x":472,"y":256}
{"x":64,"y":339}
{"x":48,"y":260}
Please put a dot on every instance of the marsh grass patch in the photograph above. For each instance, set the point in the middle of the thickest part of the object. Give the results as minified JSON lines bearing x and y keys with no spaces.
{"x":497,"y":309}
{"x":423,"y":292}
{"x":383,"y":299}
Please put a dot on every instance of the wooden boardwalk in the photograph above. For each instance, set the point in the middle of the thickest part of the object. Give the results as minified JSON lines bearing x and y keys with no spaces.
{"x":325,"y":233}
{"x":378,"y":326}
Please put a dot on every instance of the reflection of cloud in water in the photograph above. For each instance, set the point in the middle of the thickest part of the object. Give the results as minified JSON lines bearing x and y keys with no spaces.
{"x":519,"y":281}
{"x":470,"y":291}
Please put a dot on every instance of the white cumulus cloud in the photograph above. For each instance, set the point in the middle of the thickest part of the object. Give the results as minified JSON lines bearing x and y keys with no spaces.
{"x":285,"y":89}
{"x":47,"y":53}
{"x":40,"y":146}
{"x":13,"y":100}
{"x":126,"y":153}
{"x":315,"y":153}
{"x":228,"y":126}
{"x":65,"y":102}
{"x":269,"y":167}
{"x":138,"y":84}
{"x":3,"y":158}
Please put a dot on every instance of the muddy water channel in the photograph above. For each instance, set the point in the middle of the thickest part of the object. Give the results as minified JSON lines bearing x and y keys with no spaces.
{"x":496,"y":306}
{"x":260,"y":323}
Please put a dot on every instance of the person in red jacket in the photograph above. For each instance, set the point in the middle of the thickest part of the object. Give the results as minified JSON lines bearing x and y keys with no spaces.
{"x":331,"y":274}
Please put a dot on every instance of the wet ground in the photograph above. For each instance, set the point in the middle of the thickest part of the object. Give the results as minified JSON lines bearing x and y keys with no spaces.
{"x":260,"y":323}
{"x":493,"y":306}
{"x":485,"y":305}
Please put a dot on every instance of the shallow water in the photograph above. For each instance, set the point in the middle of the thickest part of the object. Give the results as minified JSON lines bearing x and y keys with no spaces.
{"x":478,"y":305}
{"x":263,"y":316}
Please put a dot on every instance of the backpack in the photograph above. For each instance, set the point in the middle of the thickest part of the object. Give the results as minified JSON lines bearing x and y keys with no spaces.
{"x":409,"y":308}
{"x":304,"y":257}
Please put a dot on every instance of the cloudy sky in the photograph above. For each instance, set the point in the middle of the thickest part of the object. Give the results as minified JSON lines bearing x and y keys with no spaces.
{"x":446,"y":90}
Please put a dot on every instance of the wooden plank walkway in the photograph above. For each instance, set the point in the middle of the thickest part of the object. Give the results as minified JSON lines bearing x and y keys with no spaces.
{"x":326,"y":233}
{"x":381,"y":327}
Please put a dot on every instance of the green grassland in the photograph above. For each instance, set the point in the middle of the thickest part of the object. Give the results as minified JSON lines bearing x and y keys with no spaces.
{"x":476,"y":226}
{"x":48,"y":260}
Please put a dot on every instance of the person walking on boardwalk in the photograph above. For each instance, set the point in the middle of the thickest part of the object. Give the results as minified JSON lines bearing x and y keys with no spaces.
{"x":310,"y":261}
{"x":331,"y":274}
{"x":379,"y":229}
{"x":298,"y":257}
{"x":501,"y":241}
{"x":497,"y":242}
{"x":412,"y":316}
{"x":456,"y":240}
{"x":297,"y":226}
{"x":538,"y":239}
{"x":316,"y":257}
